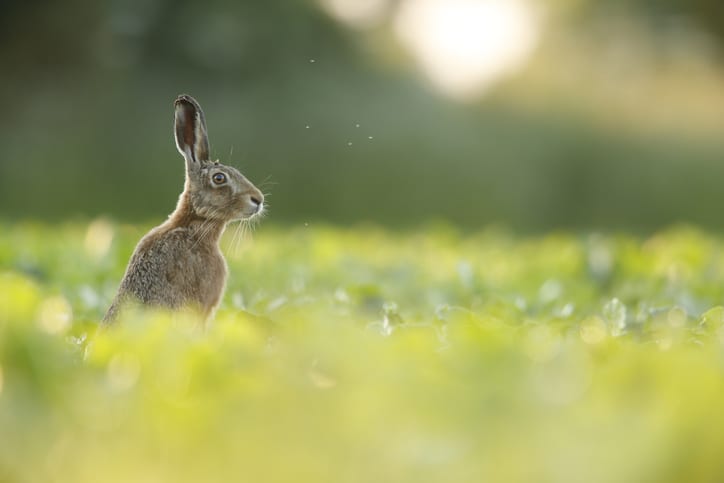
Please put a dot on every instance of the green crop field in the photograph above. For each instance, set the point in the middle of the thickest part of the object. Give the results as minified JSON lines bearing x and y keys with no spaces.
{"x":365,"y":355}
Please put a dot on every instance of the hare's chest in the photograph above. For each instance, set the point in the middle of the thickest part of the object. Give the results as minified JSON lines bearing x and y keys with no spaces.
{"x":210,"y":283}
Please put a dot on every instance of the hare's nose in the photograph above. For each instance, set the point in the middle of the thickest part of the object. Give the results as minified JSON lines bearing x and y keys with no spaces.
{"x":257,"y":200}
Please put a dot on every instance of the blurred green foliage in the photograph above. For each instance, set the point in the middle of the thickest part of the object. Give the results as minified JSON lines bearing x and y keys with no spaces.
{"x":363,"y":355}
{"x":87,"y":102}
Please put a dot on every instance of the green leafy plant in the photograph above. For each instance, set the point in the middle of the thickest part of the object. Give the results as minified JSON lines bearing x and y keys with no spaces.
{"x":361,"y":355}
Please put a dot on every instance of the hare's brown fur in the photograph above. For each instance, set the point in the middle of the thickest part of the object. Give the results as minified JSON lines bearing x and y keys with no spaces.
{"x":179,"y":263}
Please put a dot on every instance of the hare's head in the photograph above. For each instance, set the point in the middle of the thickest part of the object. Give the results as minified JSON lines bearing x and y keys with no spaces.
{"x":214,"y":190}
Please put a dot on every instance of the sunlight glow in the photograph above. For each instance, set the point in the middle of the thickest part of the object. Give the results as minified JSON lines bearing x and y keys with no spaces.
{"x":357,"y":13}
{"x":56,"y":315}
{"x":98,"y":238}
{"x":466,"y":46}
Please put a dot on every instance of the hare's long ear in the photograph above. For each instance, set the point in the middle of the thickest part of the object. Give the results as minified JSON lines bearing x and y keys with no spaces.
{"x":190,"y":128}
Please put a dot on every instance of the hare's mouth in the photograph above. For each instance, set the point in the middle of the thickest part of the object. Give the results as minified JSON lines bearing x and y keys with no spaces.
{"x":251,"y":211}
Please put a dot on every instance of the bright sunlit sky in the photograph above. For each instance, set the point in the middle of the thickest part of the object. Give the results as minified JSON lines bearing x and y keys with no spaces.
{"x":462,"y":46}
{"x":466,"y":48}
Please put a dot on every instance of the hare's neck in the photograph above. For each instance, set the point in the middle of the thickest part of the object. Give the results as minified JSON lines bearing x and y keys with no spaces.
{"x":184,"y":216}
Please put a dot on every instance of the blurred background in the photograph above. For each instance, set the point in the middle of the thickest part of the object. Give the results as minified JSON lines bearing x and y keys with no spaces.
{"x":532,"y":114}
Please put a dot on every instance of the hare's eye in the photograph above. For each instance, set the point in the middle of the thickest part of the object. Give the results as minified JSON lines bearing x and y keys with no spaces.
{"x":219,"y":178}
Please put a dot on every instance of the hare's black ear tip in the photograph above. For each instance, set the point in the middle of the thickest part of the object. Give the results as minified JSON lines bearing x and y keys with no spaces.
{"x":186,"y":99}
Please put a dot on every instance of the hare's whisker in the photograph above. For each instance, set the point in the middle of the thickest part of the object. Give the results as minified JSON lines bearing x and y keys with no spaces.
{"x":235,"y":239}
{"x":206,"y":227}
{"x":265,"y":180}
{"x":241,"y":227}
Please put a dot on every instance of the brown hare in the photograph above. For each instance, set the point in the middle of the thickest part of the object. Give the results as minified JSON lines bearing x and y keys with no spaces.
{"x":179,"y":263}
